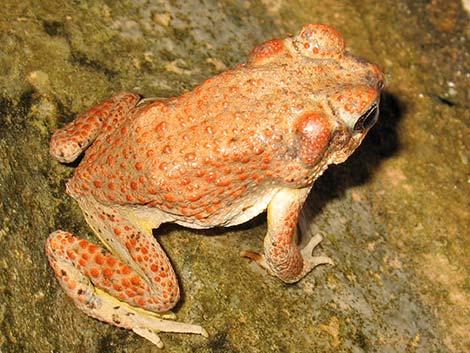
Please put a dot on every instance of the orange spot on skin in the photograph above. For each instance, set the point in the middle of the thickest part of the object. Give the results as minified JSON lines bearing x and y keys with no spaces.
{"x":99,"y":259}
{"x":140,"y":301}
{"x":135,"y":280}
{"x":107,"y":273}
{"x":161,"y":127}
{"x":210,"y":209}
{"x":81,"y":298}
{"x":169,"y":198}
{"x":211,"y":176}
{"x":111,"y":261}
{"x":185,"y":181}
{"x":139,"y":166}
{"x":94,"y":272}
{"x":194,"y":197}
{"x":92,"y":248}
{"x":72,"y":284}
{"x":70,"y":254}
{"x":222,"y":182}
{"x":258,"y":150}
{"x":189,"y":157}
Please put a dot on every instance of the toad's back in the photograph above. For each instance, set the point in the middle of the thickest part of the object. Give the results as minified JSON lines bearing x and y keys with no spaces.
{"x":205,"y":151}
{"x":219,"y":146}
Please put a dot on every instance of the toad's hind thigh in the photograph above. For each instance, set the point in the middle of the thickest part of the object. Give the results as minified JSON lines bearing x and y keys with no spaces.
{"x":108,"y":289}
{"x":131,"y":240}
{"x":137,"y":270}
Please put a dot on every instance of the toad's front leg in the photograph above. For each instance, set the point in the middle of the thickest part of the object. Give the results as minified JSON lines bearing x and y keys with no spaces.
{"x":70,"y":141}
{"x":282,"y":257}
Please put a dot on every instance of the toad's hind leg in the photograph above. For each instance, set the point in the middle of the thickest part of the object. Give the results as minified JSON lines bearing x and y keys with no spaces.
{"x":127,"y":290}
{"x":70,"y":141}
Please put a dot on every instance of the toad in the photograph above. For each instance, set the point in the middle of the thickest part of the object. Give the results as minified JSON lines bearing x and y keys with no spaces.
{"x":249,"y":140}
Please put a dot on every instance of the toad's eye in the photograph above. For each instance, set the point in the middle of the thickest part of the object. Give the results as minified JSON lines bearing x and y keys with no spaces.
{"x":367,"y":119}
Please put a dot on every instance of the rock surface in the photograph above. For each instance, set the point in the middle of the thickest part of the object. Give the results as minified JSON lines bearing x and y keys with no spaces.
{"x":395,"y":215}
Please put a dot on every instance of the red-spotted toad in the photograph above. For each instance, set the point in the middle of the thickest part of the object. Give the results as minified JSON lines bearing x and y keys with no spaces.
{"x":253,"y":138}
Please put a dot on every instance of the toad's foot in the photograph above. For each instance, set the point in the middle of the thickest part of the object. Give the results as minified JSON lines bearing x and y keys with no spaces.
{"x":143,"y":322}
{"x":309,"y":261}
